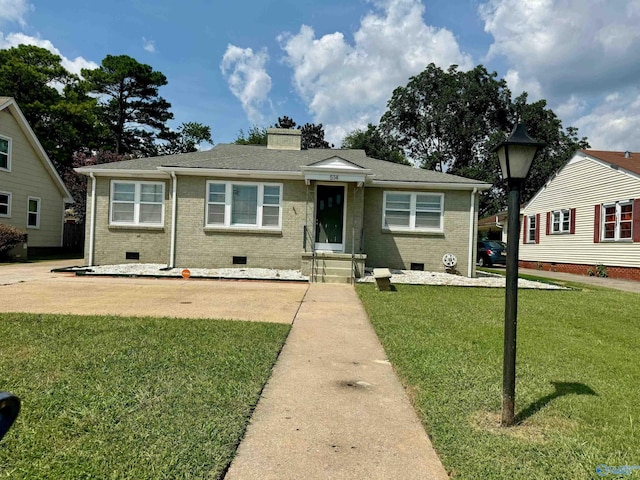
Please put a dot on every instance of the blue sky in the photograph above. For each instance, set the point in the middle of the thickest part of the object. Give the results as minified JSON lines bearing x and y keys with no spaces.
{"x":230,"y":65}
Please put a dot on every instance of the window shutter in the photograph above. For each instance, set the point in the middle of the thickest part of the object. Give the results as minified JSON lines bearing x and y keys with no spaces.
{"x":548,"y":223}
{"x":524,"y":229}
{"x":636,"y":220}
{"x":537,"y":228}
{"x":572,"y":220}
{"x":596,"y":225}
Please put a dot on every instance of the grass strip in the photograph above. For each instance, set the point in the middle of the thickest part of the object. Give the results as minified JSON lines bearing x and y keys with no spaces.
{"x":577,"y":376}
{"x":144,"y":398}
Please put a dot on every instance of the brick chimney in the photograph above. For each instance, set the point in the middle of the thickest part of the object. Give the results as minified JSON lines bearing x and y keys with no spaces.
{"x":284,"y":139}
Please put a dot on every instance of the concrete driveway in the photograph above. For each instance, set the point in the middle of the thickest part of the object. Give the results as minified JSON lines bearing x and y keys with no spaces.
{"x":31,"y":287}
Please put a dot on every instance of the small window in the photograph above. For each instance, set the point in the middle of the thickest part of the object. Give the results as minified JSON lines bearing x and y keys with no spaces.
{"x":561,"y":221}
{"x":532,"y":226}
{"x":617,"y":221}
{"x":137,"y":203}
{"x":33,"y":213}
{"x":132,"y":255}
{"x":5,"y":153}
{"x":5,"y":204}
{"x":416,"y":211}
{"x":239,"y":260}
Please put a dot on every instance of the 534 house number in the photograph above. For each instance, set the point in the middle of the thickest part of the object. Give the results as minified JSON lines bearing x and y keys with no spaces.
{"x":333,"y":177}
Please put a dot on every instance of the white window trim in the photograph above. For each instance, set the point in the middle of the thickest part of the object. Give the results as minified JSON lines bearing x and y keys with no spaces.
{"x":412,"y":212}
{"x":228,"y":195}
{"x":564,"y":214}
{"x":8,"y":214}
{"x":39,"y":200}
{"x":136,"y":204}
{"x":8,"y":169}
{"x":531,"y":230}
{"x":618,"y":206}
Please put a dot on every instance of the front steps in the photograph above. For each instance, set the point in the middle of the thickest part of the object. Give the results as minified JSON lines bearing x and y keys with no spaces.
{"x":331,"y":267}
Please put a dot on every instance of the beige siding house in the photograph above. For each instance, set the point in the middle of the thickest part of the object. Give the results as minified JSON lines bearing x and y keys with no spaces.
{"x":588,"y":214}
{"x":329,"y":213}
{"x":32,"y":194}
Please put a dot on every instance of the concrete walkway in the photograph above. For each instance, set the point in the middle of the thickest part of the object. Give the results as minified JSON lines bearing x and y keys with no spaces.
{"x":334,"y":408}
{"x":625,"y":285}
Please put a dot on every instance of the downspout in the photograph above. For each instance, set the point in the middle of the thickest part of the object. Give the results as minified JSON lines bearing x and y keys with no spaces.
{"x":174,"y":209}
{"x":92,"y":223}
{"x":472,"y":218}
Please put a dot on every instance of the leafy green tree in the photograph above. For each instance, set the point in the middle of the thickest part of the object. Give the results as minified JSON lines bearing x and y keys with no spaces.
{"x":130,"y":105}
{"x":59,"y":110}
{"x":449,"y":120}
{"x":185,"y":139}
{"x":374,"y":145}
{"x":255,"y":136}
{"x":313,"y":136}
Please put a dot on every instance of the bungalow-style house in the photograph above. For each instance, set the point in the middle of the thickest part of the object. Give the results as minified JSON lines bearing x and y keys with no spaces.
{"x":32,"y":194}
{"x":586,"y":219}
{"x":325,"y":212}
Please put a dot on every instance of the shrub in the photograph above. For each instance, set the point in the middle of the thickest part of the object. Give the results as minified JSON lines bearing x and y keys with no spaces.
{"x":601,"y":271}
{"x":10,"y":236}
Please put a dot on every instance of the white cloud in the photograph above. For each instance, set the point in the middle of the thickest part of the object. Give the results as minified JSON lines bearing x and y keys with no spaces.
{"x":14,"y":11}
{"x":149,"y":45}
{"x":346,"y":85}
{"x":567,"y":45}
{"x":72,"y":65}
{"x":613,"y":124}
{"x":573,"y":107}
{"x":518,"y":85}
{"x":248,"y":79}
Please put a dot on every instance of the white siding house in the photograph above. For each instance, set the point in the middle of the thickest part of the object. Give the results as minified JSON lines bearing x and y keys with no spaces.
{"x":588,"y":214}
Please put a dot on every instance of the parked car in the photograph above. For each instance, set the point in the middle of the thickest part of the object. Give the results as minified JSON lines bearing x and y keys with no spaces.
{"x":491,"y":252}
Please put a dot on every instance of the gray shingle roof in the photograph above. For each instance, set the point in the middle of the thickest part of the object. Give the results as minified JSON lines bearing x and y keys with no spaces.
{"x":255,"y":157}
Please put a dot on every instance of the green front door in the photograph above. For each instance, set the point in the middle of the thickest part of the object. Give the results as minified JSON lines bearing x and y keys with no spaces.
{"x":330,"y":203}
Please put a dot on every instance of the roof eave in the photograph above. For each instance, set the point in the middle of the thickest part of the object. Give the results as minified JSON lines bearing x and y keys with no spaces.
{"x":438,"y":185}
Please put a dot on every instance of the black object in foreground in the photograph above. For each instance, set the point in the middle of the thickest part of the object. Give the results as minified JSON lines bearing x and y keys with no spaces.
{"x":9,"y":410}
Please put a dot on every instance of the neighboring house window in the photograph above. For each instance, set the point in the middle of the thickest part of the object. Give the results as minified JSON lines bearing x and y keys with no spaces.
{"x":531,"y":228}
{"x":413,"y":211}
{"x":257,"y":205}
{"x":5,"y":204}
{"x":137,"y":203}
{"x":561,"y":221}
{"x":5,"y":153}
{"x":33,"y":213}
{"x":617,"y":221}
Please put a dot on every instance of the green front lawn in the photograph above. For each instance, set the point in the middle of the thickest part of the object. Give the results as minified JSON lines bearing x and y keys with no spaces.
{"x":143,"y":398}
{"x":578,"y":376}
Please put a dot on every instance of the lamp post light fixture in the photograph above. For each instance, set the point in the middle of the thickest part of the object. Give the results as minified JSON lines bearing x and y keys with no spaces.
{"x":516,"y":155}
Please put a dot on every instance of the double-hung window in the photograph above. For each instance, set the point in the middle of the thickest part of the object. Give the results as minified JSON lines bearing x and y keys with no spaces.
{"x":5,"y":204}
{"x":244,"y":205}
{"x":137,"y":203}
{"x":413,"y":211}
{"x":561,"y":221}
{"x":617,"y":221}
{"x":33,"y":212}
{"x":532,"y":226}
{"x":5,"y":153}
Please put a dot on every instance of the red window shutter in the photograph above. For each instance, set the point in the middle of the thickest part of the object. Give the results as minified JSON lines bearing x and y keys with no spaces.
{"x":537,"y":228}
{"x":524,"y":229}
{"x":548,"y":223}
{"x":596,"y":225}
{"x":636,"y":220}
{"x":572,"y":220}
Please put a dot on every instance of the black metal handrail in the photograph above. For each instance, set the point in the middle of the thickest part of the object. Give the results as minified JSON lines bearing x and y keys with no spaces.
{"x":308,"y":239}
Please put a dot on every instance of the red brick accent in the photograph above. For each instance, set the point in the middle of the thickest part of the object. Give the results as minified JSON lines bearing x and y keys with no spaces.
{"x":626,"y":273}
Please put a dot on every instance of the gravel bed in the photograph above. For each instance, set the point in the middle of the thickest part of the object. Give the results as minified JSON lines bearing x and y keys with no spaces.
{"x":397,"y":276}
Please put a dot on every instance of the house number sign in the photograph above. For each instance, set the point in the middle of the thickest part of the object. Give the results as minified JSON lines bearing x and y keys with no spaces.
{"x":333,"y":177}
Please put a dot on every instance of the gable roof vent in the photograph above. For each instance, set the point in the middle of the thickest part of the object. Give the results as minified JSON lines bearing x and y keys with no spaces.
{"x":627,"y":154}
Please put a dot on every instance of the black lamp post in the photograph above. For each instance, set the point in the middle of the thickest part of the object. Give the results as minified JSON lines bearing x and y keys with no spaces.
{"x":515,"y":155}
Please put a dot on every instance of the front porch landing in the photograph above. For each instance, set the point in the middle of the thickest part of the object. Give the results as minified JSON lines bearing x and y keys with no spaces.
{"x":329,"y":267}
